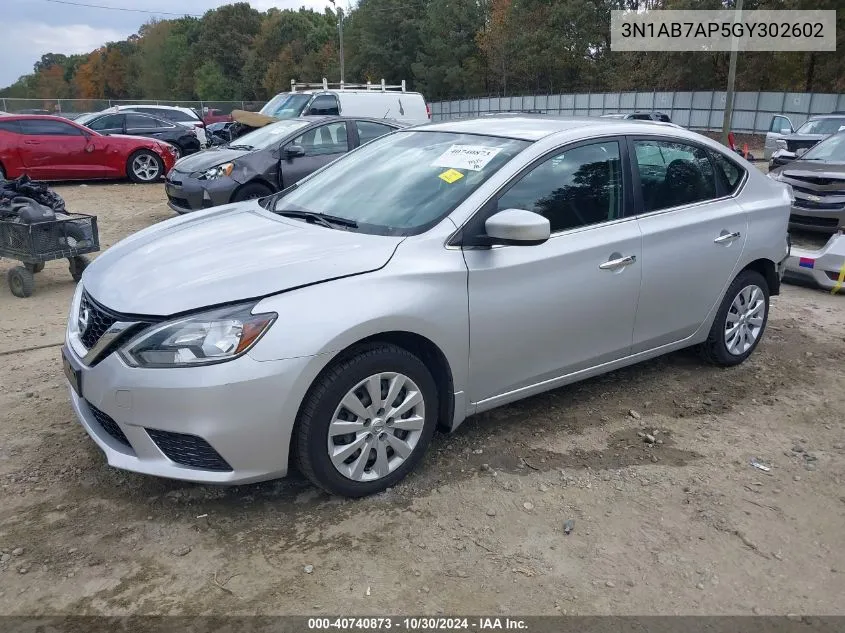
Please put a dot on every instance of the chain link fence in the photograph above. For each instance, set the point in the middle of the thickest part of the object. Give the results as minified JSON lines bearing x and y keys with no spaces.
{"x":753,"y":111}
{"x":68,"y":107}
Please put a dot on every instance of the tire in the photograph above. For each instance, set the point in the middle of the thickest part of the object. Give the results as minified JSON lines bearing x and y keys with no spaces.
{"x":178,"y":151}
{"x":727,"y":351}
{"x":251,"y":191}
{"x":2,"y":173}
{"x":21,"y":281}
{"x":34,"y":268}
{"x":144,"y":166}
{"x":77,"y":266}
{"x":316,"y":427}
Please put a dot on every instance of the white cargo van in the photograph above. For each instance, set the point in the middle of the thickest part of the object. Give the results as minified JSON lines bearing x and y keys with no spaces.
{"x":379,"y":101}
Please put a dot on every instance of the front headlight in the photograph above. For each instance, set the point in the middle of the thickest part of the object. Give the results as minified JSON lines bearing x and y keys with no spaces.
{"x":775,"y":175}
{"x":219,"y":171}
{"x":201,"y":339}
{"x":781,"y":144}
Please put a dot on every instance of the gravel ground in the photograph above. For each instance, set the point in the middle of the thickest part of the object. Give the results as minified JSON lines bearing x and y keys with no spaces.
{"x":683,"y":527}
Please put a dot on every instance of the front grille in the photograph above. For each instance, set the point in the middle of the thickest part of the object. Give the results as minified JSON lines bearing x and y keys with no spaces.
{"x":810,"y":220}
{"x":794,"y":146}
{"x":98,"y":321}
{"x":823,"y":204}
{"x":817,"y":180}
{"x":109,"y":425}
{"x":188,"y":450}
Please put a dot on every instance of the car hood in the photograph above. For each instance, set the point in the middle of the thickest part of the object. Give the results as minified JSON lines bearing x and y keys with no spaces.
{"x":805,"y":137}
{"x":812,"y":168}
{"x":226,"y":254}
{"x":207,"y":159}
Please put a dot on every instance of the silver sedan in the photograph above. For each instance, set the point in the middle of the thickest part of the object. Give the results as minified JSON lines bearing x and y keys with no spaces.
{"x":434,"y":273}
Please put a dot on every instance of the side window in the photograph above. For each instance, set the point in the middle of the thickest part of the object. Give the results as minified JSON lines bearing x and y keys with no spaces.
{"x":778,"y":123}
{"x":642,"y":117}
{"x":673,"y":174}
{"x":139,"y":121}
{"x":728,"y":172}
{"x":10,"y":126}
{"x":46,"y":127}
{"x":161,"y":123}
{"x":326,"y":139}
{"x":324,"y":104}
{"x":108,"y":122}
{"x":367,"y":130}
{"x":576,"y":187}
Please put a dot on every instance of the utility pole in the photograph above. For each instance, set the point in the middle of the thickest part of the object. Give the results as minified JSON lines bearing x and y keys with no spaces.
{"x":729,"y":95}
{"x":340,"y":31}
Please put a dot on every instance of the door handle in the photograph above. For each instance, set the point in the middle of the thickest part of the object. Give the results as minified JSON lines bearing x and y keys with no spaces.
{"x":615,"y":264}
{"x":726,"y":238}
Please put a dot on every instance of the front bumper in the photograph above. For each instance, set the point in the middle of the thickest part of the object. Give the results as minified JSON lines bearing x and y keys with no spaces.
{"x":816,"y":220}
{"x":243,"y":411}
{"x":822,"y":267}
{"x":781,"y":157}
{"x":186,"y":193}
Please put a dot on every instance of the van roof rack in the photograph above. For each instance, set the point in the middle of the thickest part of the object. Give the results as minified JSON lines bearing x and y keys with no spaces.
{"x":381,"y":87}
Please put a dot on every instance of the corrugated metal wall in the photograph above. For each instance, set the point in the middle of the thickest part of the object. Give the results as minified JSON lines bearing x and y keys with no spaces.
{"x":753,"y":111}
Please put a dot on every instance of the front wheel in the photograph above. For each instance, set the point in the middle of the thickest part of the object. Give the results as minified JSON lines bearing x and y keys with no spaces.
{"x":367,"y":421}
{"x":21,"y":281}
{"x":740,"y":321}
{"x":144,"y":166}
{"x":251,"y":191}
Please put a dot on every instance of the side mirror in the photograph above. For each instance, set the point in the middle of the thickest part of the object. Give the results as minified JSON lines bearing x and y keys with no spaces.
{"x":294,"y":151}
{"x":518,"y":227}
{"x":786,"y":130}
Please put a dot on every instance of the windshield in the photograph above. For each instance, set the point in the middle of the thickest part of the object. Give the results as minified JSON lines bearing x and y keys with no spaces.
{"x":830,"y":150}
{"x":822,"y":126}
{"x":402,"y":183}
{"x":268,"y":135}
{"x":85,"y":119}
{"x":286,"y":105}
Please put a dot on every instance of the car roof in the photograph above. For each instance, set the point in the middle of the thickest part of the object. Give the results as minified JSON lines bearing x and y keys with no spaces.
{"x":39,"y":117}
{"x":814,"y":117}
{"x":533,"y":127}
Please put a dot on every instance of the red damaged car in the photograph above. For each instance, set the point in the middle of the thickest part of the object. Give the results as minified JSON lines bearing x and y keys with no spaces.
{"x":54,"y":148}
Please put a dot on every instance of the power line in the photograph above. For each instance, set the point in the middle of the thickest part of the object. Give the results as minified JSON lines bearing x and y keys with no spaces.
{"x":101,"y":6}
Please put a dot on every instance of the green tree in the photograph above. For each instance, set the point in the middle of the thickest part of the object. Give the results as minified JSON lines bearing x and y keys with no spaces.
{"x":211,"y":84}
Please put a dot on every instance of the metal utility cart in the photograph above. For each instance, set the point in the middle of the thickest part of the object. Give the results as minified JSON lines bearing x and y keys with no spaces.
{"x":68,"y":236}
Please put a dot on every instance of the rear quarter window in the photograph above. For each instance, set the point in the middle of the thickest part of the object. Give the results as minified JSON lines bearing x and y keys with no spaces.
{"x":727,"y":172}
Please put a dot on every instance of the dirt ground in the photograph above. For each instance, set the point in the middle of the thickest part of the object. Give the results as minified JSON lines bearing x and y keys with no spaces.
{"x":685,"y":527}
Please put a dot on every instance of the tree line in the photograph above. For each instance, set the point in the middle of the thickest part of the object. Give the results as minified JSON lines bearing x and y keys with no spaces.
{"x":443,"y":48}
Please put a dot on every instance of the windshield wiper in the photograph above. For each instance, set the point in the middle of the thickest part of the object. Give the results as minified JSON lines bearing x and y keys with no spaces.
{"x":323,"y":219}
{"x":246,"y":147}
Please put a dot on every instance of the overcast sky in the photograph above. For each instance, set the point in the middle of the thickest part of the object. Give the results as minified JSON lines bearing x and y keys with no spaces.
{"x":34,"y":27}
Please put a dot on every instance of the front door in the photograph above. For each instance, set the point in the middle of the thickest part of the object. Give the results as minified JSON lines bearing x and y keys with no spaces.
{"x":55,"y":150}
{"x":693,"y":234}
{"x":321,"y":145}
{"x":780,"y":127}
{"x":539,"y":312}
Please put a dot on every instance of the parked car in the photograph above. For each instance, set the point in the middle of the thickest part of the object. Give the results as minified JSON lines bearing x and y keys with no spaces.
{"x":431,"y":274}
{"x":54,"y":148}
{"x":218,"y":133}
{"x":183,"y":138}
{"x":265,"y":160}
{"x":184,"y":116}
{"x":34,"y":111}
{"x":351,"y":100}
{"x":783,"y":145}
{"x":818,"y":179}
{"x":212,"y":115}
{"x":639,"y":116}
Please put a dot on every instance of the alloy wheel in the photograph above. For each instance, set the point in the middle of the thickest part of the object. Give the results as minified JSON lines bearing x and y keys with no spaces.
{"x":145,"y":167}
{"x":376,"y":426}
{"x":745,"y":319}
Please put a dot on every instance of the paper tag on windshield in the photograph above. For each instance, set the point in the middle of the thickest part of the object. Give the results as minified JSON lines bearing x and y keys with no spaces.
{"x":472,"y":157}
{"x":451,"y":175}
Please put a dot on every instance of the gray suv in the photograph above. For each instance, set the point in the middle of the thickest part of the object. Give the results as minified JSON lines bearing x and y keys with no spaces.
{"x":431,"y":274}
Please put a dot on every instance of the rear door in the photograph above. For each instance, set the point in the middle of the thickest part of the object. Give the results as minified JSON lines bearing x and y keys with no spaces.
{"x":693,"y":234}
{"x":55,"y":150}
{"x":780,"y":127}
{"x":366,"y":131}
{"x":321,"y":145}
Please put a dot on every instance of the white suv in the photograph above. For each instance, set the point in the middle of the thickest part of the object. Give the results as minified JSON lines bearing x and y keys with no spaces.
{"x":379,"y":101}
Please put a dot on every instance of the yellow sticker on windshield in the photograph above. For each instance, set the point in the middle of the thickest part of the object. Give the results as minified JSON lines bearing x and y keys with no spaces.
{"x":451,"y":175}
